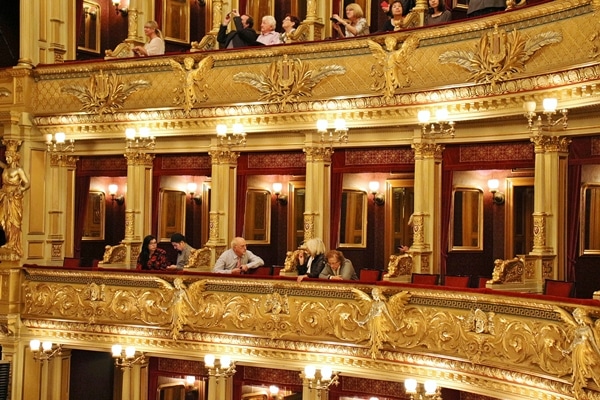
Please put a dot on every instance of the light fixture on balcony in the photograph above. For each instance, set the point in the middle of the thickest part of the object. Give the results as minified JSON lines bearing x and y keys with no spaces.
{"x":121,"y":10}
{"x":427,"y":391}
{"x":320,"y":379}
{"x":378,"y":198}
{"x":44,"y":351}
{"x":58,"y":144}
{"x":112,"y":191}
{"x":339,"y":132}
{"x":440,"y":127}
{"x":549,"y":105}
{"x":237,"y":137}
{"x":281,"y":198}
{"x":192,"y":187}
{"x":138,"y":141}
{"x":128,"y":357}
{"x":225,"y":367}
{"x":497,"y":196}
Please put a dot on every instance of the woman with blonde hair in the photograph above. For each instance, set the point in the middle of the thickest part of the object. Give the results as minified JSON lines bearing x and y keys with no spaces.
{"x":356,"y":25}
{"x":155,"y":45}
{"x":312,"y":259}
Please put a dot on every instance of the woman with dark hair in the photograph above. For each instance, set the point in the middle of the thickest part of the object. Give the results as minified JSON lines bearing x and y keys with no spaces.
{"x":151,"y":257}
{"x":398,"y":19}
{"x":437,"y":13}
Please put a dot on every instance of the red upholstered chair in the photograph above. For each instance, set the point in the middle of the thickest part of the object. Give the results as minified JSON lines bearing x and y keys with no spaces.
{"x":458,"y":281}
{"x":276,"y":270}
{"x":559,"y":288}
{"x":425,"y":279}
{"x":369,"y":275}
{"x":263,"y":270}
{"x":482,"y":280}
{"x":71,"y":262}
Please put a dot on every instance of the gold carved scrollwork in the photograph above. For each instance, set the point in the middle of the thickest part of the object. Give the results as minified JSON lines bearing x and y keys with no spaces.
{"x":318,"y":154}
{"x":287,"y":80}
{"x":191,"y":79}
{"x":499,"y":55}
{"x":399,"y":265}
{"x":222,"y":156}
{"x":507,"y":271}
{"x":292,"y":260}
{"x":391,"y":70}
{"x":105,"y":93}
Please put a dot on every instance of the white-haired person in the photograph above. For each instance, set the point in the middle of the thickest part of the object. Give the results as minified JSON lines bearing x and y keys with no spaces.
{"x":268,"y":36}
{"x":238,"y":259}
{"x":312,"y":260}
{"x":155,"y":45}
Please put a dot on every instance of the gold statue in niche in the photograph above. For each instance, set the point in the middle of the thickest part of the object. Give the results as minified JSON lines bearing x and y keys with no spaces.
{"x":584,"y":349}
{"x":14,"y":183}
{"x":379,"y":318}
{"x":177,"y":303}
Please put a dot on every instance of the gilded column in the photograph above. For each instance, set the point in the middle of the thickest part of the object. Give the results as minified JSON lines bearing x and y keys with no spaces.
{"x":138,"y":201}
{"x":427,"y":214}
{"x":550,"y":199}
{"x":61,"y":210}
{"x":222,"y":200}
{"x":317,"y":214}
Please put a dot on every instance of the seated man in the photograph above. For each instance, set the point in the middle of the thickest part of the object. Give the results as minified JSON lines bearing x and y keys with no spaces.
{"x":184,"y":251}
{"x":268,"y":36}
{"x":237,"y":260}
{"x":338,"y":267}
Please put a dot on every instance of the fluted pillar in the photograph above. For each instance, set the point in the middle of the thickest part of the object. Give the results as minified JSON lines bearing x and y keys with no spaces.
{"x":138,"y":201}
{"x":427,"y":214}
{"x":550,"y":198}
{"x":318,"y":192}
{"x":222,"y":199}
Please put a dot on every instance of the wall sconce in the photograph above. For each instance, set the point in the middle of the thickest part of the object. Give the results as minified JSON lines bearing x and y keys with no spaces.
{"x":428,"y":391}
{"x":128,"y":357}
{"x":190,"y":381}
{"x":236,"y":138}
{"x":112,"y":190}
{"x":44,"y":351}
{"x":192,"y":187}
{"x":378,"y":198}
{"x":320,"y":379}
{"x":442,"y":126}
{"x":117,"y":4}
{"x":498,"y":197}
{"x":58,"y":144}
{"x":226,"y":367}
{"x":281,"y":198}
{"x":274,"y":392}
{"x":549,"y":105}
{"x":339,"y":129}
{"x":138,"y":141}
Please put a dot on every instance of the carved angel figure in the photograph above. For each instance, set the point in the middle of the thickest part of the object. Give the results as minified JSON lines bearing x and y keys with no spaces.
{"x":177,"y":305}
{"x":379,"y":317}
{"x":392,"y":65}
{"x":191,"y":78}
{"x":584,"y":349}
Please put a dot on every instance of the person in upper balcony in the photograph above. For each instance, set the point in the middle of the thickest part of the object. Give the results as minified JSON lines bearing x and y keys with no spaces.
{"x":268,"y":36}
{"x":356,"y":25}
{"x":184,"y":251}
{"x":151,"y":257}
{"x":237,"y":260}
{"x":437,"y":13}
{"x":312,"y":259}
{"x":398,"y":19}
{"x":289,"y":25}
{"x":242,"y":36}
{"x":155,"y":45}
{"x":481,"y":7}
{"x":338,"y":267}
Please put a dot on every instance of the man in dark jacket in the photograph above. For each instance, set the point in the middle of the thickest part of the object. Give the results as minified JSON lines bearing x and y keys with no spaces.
{"x":242,"y":36}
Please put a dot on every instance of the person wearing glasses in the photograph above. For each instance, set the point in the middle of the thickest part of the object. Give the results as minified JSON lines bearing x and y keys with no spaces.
{"x":238,"y":259}
{"x":311,"y":260}
{"x":151,"y":257}
{"x":184,"y":251}
{"x":338,"y":267}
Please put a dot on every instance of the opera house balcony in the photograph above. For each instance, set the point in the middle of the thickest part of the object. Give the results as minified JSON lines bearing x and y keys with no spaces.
{"x":466,"y":154}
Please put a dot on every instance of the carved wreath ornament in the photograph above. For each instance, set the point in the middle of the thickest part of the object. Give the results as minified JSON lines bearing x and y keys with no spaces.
{"x":287,"y":80}
{"x":499,"y":55}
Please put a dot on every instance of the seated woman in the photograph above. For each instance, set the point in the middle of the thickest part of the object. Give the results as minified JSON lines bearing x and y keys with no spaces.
{"x":398,"y":21}
{"x":312,"y":260}
{"x":437,"y":13}
{"x":151,"y":257}
{"x":356,"y":24}
{"x":338,"y":267}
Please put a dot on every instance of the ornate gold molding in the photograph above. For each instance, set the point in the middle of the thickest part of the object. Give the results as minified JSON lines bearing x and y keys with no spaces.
{"x":191,"y":79}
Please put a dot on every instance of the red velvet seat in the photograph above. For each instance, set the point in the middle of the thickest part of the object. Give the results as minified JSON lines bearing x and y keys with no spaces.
{"x":482,"y":280}
{"x":369,"y":275}
{"x":263,"y":270}
{"x":425,"y":279}
{"x":71,"y":262}
{"x":559,"y":288}
{"x":458,"y":281}
{"x":276,"y":270}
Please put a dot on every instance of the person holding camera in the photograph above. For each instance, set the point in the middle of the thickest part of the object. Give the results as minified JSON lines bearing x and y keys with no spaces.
{"x":356,"y":25}
{"x":242,"y":36}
